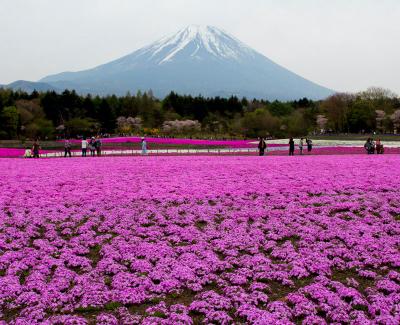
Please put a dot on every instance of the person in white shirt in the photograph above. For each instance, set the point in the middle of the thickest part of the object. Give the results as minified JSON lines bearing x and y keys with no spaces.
{"x":84,"y":147}
{"x":28,"y":153}
{"x":301,"y":143}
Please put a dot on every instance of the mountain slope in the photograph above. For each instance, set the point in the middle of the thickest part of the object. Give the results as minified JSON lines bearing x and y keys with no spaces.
{"x":196,"y":60}
{"x":30,"y":86}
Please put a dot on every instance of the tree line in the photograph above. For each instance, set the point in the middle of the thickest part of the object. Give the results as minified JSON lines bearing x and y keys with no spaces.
{"x":50,"y":115}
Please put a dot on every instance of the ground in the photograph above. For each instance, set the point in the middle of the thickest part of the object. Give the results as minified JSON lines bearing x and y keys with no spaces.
{"x":161,"y":240}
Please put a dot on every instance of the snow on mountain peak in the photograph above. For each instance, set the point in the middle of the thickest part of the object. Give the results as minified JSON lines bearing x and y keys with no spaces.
{"x":203,"y":40}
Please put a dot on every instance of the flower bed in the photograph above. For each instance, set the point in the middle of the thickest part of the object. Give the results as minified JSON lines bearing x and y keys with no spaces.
{"x":166,"y":240}
{"x":182,"y":141}
{"x":272,"y":151}
{"x":333,"y":151}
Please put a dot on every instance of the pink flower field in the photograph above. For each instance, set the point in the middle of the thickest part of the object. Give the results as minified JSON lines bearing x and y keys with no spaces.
{"x":192,"y":240}
{"x":182,"y":141}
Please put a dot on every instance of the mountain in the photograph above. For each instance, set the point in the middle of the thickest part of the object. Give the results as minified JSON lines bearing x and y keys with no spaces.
{"x":197,"y":60}
{"x":29,"y":86}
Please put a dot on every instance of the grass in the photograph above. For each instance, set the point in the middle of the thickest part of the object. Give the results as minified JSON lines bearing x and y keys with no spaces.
{"x":94,"y":254}
{"x":342,"y":276}
{"x":10,"y":314}
{"x":201,"y":224}
{"x":278,"y":291}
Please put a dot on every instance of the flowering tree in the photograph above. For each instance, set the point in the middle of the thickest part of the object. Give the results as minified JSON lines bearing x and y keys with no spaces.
{"x":121,"y":123}
{"x":395,"y":117}
{"x":129,"y":124}
{"x":321,"y":122}
{"x":380,"y":118}
{"x":134,"y":122}
{"x":184,"y":126}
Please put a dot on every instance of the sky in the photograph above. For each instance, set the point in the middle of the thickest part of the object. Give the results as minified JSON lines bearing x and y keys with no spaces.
{"x":345,"y":45}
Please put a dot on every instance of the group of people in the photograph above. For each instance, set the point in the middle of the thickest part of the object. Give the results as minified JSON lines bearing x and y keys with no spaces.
{"x":262,"y":146}
{"x":94,"y":145}
{"x":372,"y":146}
{"x":34,"y":151}
{"x":302,"y":142}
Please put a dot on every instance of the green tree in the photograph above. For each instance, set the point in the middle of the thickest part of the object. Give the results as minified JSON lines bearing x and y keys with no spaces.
{"x":9,"y":121}
{"x":362,"y":116}
{"x":280,"y":109}
{"x":80,"y":126}
{"x":296,"y":124}
{"x":107,"y":117}
{"x":260,"y":123}
{"x":336,"y":108}
{"x":40,"y":128}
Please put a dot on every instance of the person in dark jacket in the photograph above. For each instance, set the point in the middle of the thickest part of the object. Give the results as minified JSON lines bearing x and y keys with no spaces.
{"x":291,"y":147}
{"x":309,"y":145}
{"x":262,"y":145}
{"x":67,"y":148}
{"x":35,"y":149}
{"x":369,"y":146}
{"x":92,"y":147}
{"x":379,"y":147}
{"x":97,"y":145}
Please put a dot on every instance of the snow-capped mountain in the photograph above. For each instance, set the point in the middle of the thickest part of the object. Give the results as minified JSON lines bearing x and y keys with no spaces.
{"x":197,"y":60}
{"x":202,"y":42}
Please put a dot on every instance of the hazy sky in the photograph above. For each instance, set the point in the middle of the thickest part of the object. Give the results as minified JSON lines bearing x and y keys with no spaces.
{"x":346,"y":45}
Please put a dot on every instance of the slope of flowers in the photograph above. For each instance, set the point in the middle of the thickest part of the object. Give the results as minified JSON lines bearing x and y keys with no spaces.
{"x":183,"y":240}
{"x":183,"y":141}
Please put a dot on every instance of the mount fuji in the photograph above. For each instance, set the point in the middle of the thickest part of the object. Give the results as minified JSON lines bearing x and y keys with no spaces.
{"x":197,"y":60}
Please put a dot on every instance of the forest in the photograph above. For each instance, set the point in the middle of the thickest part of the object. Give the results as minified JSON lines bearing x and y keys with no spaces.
{"x":51,"y":115}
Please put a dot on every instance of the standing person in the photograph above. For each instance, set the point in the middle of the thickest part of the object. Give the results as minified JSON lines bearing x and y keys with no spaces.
{"x":309,"y":145}
{"x":291,"y":147}
{"x":372,"y":146}
{"x":144,"y":146}
{"x":67,"y":148}
{"x":84,"y":147}
{"x":98,"y":146}
{"x":301,"y":143}
{"x":36,"y":148}
{"x":262,"y":145}
{"x":369,"y":146}
{"x":92,"y":147}
{"x":379,"y":147}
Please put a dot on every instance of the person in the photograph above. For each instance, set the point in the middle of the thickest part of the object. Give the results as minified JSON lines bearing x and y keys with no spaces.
{"x":262,"y":145}
{"x":291,"y":147}
{"x":379,"y":147}
{"x":28,"y":153}
{"x":301,"y":143}
{"x":92,"y":147}
{"x":84,"y":147}
{"x":36,"y":148}
{"x":97,"y":145}
{"x":144,"y":146}
{"x":369,"y":146}
{"x":309,"y":145}
{"x":67,"y":148}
